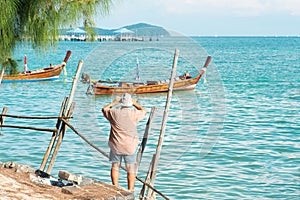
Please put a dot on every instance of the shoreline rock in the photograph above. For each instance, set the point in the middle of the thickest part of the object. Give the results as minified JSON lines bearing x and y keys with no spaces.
{"x":19,"y":181}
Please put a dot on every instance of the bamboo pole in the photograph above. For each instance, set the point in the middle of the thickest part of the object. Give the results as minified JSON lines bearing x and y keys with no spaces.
{"x":164,"y":121}
{"x":32,"y":117}
{"x":74,"y":85}
{"x":4,"y":110}
{"x":54,"y":136}
{"x":147,"y":179}
{"x":59,"y":141}
{"x":150,"y":187}
{"x":145,"y":138}
{"x":61,"y":113}
{"x":48,"y":151}
{"x":29,"y":127}
{"x":1,"y":74}
{"x":69,"y":109}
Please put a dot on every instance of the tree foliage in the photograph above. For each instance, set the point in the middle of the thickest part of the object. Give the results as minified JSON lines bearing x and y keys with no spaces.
{"x":38,"y":21}
{"x":11,"y":65}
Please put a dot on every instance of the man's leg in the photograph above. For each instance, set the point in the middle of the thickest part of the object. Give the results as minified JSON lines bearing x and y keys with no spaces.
{"x":131,"y":175}
{"x":115,"y":173}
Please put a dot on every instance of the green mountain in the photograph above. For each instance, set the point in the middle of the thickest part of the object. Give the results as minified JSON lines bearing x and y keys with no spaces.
{"x":139,"y":30}
{"x":143,"y":29}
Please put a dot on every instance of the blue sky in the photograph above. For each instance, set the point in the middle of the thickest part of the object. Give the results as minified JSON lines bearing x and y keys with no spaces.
{"x":208,"y":17}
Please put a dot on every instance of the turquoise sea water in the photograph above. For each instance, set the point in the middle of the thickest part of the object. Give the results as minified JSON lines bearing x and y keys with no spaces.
{"x":235,"y":137}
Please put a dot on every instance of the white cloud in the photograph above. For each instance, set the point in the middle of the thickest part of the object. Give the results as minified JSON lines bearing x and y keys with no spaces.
{"x":215,"y":7}
{"x":290,"y":6}
{"x":232,"y":7}
{"x":217,"y":16}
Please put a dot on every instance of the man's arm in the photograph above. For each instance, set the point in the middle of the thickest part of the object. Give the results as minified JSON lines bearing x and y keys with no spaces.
{"x":109,"y":106}
{"x":137,"y":106}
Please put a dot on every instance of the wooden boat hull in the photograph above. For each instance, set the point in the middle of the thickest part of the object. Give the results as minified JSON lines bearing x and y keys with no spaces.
{"x":43,"y":74}
{"x":187,"y":84}
{"x":180,"y":83}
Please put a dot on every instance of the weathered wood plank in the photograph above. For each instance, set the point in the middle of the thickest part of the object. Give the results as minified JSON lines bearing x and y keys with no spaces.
{"x":4,"y":111}
{"x":29,"y":127}
{"x":69,"y":109}
{"x":145,"y":137}
{"x":147,"y":179}
{"x":164,"y":121}
{"x":54,"y":136}
{"x":62,"y":132}
{"x":33,"y":117}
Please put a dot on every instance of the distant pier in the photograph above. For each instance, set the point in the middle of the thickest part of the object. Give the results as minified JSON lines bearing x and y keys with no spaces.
{"x":103,"y":38}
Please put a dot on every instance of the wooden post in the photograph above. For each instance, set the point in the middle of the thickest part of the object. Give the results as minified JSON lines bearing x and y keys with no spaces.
{"x":145,"y":138}
{"x":59,"y":140}
{"x":29,"y":127}
{"x":74,"y":84}
{"x":4,"y":111}
{"x":69,"y":110}
{"x":164,"y":121}
{"x":30,"y":117}
{"x":54,"y":136}
{"x":49,"y":149}
{"x":1,"y":74}
{"x":147,"y":179}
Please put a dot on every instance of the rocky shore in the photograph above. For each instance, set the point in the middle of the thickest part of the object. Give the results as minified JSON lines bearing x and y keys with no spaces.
{"x":22,"y":182}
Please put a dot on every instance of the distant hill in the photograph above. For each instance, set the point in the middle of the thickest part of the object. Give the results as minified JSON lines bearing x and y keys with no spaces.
{"x":140,"y":30}
{"x":143,"y":29}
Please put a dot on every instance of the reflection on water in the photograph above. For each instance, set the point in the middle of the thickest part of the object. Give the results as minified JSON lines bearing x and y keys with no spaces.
{"x":234,"y":137}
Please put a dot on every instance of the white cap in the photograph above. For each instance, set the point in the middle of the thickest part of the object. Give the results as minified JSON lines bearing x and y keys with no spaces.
{"x":126,"y":100}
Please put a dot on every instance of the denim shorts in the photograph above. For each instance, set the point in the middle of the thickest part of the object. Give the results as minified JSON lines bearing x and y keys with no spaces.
{"x":128,"y":159}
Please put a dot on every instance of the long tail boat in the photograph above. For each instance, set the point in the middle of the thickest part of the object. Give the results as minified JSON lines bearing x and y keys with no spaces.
{"x":43,"y":74}
{"x":181,"y":83}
